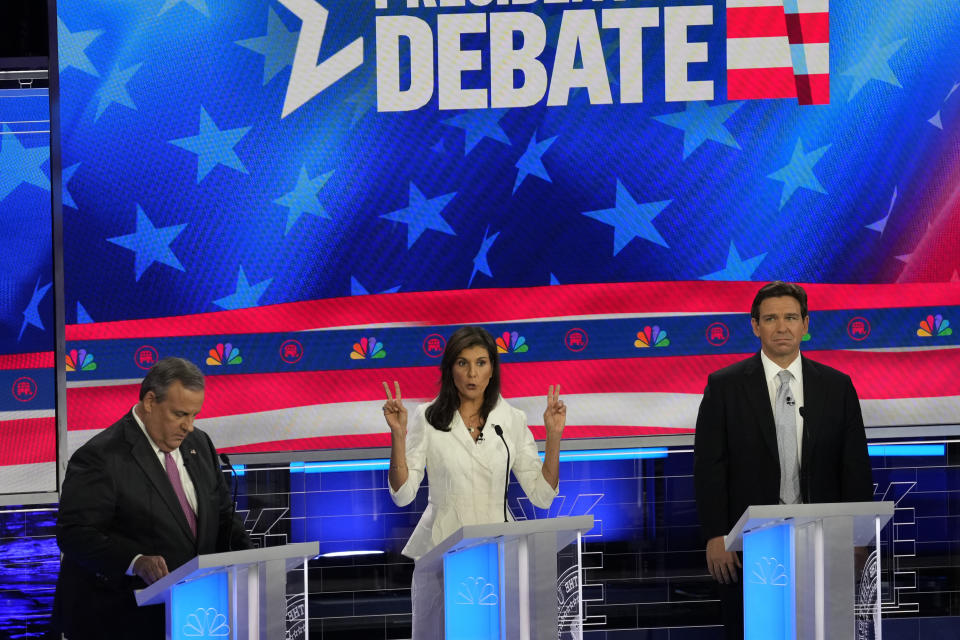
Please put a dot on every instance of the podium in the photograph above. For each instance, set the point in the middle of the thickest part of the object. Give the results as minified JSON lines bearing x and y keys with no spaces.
{"x":498,"y":581}
{"x":799,"y":569}
{"x":235,"y":594}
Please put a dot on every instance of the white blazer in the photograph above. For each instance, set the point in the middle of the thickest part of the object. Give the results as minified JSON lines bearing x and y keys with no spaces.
{"x":466,"y":477}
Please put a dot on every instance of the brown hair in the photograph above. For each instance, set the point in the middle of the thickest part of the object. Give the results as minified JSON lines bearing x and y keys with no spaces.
{"x":777,"y":289}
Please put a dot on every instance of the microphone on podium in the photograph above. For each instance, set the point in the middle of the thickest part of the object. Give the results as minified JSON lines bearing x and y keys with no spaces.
{"x":506,"y":480}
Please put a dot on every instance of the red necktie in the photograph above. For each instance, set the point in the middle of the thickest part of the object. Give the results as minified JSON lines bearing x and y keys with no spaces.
{"x":174,"y":474}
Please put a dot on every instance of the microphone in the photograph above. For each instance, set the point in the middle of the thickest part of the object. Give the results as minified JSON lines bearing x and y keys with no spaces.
{"x":791,"y":401}
{"x":225,"y":459}
{"x":506,"y":480}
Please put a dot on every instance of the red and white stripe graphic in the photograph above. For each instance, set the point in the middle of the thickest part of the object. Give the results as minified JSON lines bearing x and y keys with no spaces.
{"x":808,"y":29}
{"x":778,"y":49}
{"x":758,"y":51}
{"x":608,"y":397}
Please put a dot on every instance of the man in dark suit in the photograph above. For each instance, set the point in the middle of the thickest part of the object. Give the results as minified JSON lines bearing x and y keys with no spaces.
{"x":140,"y":499}
{"x":740,"y":458}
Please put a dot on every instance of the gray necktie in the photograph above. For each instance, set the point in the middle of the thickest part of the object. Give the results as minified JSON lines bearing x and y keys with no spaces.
{"x":785,"y":417}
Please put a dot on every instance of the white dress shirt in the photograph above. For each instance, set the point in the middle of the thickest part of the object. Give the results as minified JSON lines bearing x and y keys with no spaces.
{"x":185,"y":480}
{"x":771,"y":371}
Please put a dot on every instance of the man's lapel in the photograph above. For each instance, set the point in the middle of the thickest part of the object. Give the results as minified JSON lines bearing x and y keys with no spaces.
{"x":755,"y":388}
{"x":193,"y":463}
{"x":145,"y":457}
{"x":813,"y":407}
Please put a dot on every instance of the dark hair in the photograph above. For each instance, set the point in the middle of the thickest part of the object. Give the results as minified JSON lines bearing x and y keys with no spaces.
{"x":440,"y":413}
{"x":165,"y":372}
{"x":777,"y":289}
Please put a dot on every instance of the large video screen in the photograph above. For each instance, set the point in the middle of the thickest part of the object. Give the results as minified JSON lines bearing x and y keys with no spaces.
{"x":307,"y":197}
{"x":28,"y":430}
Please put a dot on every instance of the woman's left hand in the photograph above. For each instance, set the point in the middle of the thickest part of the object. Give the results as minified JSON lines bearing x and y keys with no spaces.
{"x":555,"y":417}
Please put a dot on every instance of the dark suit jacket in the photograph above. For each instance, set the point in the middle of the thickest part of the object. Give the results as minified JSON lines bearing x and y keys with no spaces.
{"x":736,"y":462}
{"x":116,"y":503}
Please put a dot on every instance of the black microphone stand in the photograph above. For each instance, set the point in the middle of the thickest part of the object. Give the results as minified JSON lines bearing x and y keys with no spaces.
{"x":506,"y":480}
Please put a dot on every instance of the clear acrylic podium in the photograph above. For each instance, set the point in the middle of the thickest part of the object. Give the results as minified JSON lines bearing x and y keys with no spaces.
{"x":800,"y":569}
{"x":498,"y":581}
{"x":236,"y":594}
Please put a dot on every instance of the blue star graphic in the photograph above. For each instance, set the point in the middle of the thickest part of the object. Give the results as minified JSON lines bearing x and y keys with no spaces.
{"x":422,"y":214}
{"x":114,"y":89}
{"x":875,"y":65}
{"x":530,"y":162}
{"x":357,"y":289}
{"x":213,"y":146}
{"x":480,"y":261}
{"x":150,"y":244}
{"x":31,"y":315}
{"x":277,"y":47}
{"x":72,"y":48}
{"x":20,"y":164}
{"x":799,"y":173}
{"x":553,"y":279}
{"x":66,"y":175}
{"x":82,"y":316}
{"x":245,"y":295}
{"x":199,"y":5}
{"x":881,"y":224}
{"x":631,"y":220}
{"x":700,"y":123}
{"x":303,"y":198}
{"x":736,"y":268}
{"x":479,"y":124}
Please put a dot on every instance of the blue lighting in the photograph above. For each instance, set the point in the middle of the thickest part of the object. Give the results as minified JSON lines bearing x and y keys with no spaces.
{"x":379,"y":464}
{"x":201,"y":608}
{"x":471,"y":593}
{"x":331,"y":466}
{"x":769,"y":584}
{"x":348,"y":554}
{"x":611,"y":454}
{"x":880,"y":450}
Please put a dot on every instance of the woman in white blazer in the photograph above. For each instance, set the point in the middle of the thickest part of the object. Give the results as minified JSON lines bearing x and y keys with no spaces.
{"x":454,"y":437}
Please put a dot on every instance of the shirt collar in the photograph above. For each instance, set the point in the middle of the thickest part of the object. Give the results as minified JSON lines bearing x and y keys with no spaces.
{"x":143,"y":428}
{"x":771,"y":368}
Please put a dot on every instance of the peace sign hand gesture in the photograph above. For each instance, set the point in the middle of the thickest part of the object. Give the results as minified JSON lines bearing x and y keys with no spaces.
{"x":394,"y":412}
{"x":555,"y":416}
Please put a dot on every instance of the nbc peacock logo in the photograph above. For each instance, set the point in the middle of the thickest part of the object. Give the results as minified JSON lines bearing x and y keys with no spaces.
{"x":368,"y":348}
{"x":651,"y":337}
{"x":80,"y":360}
{"x":224,"y":353}
{"x":934,"y":326}
{"x":512,"y":342}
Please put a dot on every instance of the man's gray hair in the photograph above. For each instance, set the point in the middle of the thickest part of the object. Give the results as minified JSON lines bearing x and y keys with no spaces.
{"x":165,"y":372}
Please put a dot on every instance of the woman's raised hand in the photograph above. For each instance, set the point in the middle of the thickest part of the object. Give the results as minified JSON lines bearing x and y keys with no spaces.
{"x":555,"y":417}
{"x":393,"y":410}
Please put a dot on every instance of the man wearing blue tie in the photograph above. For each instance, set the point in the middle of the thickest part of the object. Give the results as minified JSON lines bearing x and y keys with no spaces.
{"x":140,"y":499}
{"x":777,"y":427}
